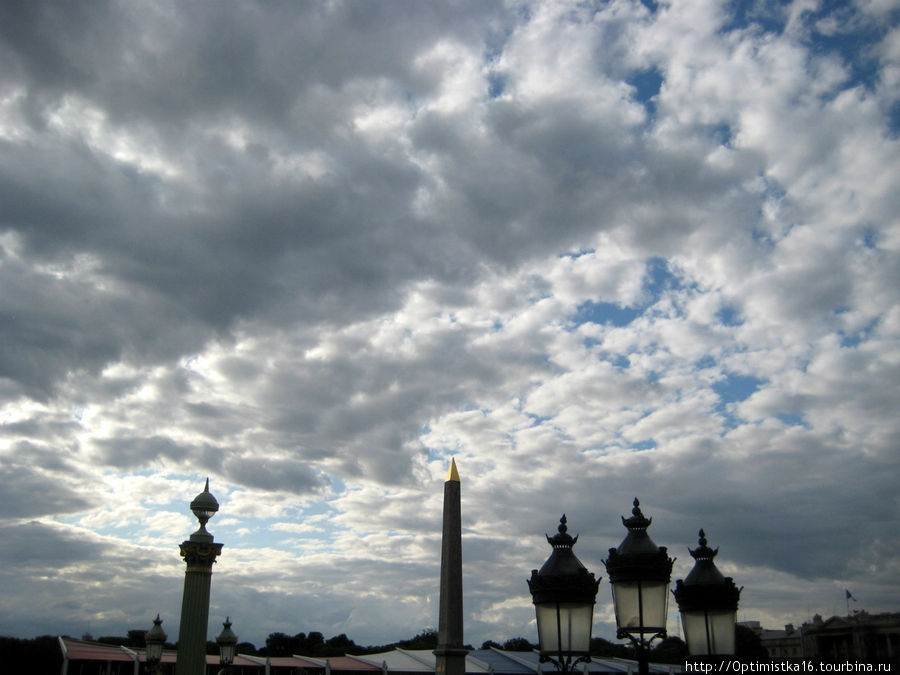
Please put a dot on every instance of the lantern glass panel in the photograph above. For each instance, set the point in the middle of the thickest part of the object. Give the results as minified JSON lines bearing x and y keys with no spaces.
{"x":640,"y":605}
{"x":721,"y":624}
{"x":694,"y":624}
{"x":226,"y":653}
{"x":564,"y":627}
{"x":154,"y":650}
{"x":709,"y":632}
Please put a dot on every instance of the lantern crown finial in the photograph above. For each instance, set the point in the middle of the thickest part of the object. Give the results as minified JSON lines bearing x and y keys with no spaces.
{"x":703,"y":552}
{"x":156,"y":634}
{"x":563,"y":578}
{"x":637,"y":521}
{"x":227,"y":635}
{"x":562,"y":539}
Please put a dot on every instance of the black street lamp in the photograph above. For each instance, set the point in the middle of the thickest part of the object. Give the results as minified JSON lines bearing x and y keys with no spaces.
{"x":226,"y":641}
{"x":708,"y":603}
{"x":639,"y":573}
{"x":564,"y":593}
{"x":155,"y":639}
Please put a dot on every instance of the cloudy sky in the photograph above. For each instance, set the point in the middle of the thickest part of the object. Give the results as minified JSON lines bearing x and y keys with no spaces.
{"x":313,"y":250}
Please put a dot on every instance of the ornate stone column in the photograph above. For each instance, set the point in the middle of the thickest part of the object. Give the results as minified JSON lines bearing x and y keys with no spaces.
{"x":199,"y":552}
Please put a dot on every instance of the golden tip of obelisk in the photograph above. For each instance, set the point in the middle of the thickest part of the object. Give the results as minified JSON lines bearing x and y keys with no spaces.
{"x":452,"y":474}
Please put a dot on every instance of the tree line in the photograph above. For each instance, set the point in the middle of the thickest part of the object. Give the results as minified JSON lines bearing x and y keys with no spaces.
{"x":42,"y":654}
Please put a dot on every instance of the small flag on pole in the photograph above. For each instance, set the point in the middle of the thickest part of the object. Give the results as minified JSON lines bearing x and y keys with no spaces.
{"x":849,"y":595}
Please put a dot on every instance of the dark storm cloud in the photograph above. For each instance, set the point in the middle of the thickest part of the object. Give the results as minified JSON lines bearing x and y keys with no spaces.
{"x":126,"y":452}
{"x":235,"y":244}
{"x":41,"y":547}
{"x":26,"y":492}
{"x":203,"y":60}
{"x":273,"y":474}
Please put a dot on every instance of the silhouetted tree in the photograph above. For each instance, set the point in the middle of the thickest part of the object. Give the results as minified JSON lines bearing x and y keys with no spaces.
{"x":137,"y":638}
{"x":280,"y":644}
{"x":747,"y":646}
{"x":116,"y":640}
{"x":338,"y":645}
{"x":601,"y":647}
{"x":487,"y":644}
{"x":245,"y":648}
{"x":427,"y":639}
{"x":315,"y":644}
{"x":40,"y":655}
{"x":518,"y":644}
{"x":671,"y":650}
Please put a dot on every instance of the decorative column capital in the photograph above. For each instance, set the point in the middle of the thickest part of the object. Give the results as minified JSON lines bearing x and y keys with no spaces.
{"x":200,"y":556}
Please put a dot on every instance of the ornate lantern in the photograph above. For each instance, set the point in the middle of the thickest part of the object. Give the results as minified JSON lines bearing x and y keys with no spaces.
{"x":639,"y":573}
{"x":708,"y":603}
{"x":564,"y":593}
{"x":226,"y":641}
{"x":155,"y":639}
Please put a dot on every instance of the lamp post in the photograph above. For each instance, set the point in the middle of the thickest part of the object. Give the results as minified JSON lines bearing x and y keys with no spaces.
{"x":564,"y":593}
{"x":226,"y":641}
{"x":639,"y":573}
{"x":199,"y":553}
{"x":708,"y":603}
{"x":155,"y":639}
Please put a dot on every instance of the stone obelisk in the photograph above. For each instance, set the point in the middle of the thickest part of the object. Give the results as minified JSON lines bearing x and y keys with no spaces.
{"x":199,"y":552}
{"x":450,"y":653}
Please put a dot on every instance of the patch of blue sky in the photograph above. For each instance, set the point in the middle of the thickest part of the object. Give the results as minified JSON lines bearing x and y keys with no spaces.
{"x":338,"y":486}
{"x":605,"y":313}
{"x":647,"y":84}
{"x":574,"y":255}
{"x":496,"y":84}
{"x":893,"y":119}
{"x":729,"y":316}
{"x":658,"y":279}
{"x":792,"y":419}
{"x":852,"y":340}
{"x":537,"y":420}
{"x":652,"y":5}
{"x":269,"y":531}
{"x":837,"y":29}
{"x":723,"y":133}
{"x":769,"y":16}
{"x":834,"y":28}
{"x":146,"y":473}
{"x":774,"y":195}
{"x":646,"y":444}
{"x":620,"y":361}
{"x":705,"y":362}
{"x":734,"y":388}
{"x":869,"y":238}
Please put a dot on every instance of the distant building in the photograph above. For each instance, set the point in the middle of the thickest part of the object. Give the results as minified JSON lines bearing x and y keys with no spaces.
{"x":860,"y":637}
{"x":780,"y":645}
